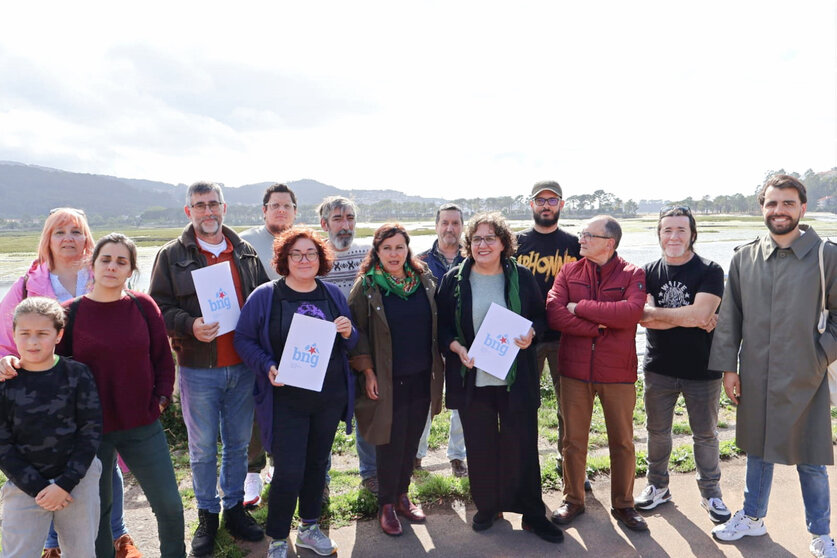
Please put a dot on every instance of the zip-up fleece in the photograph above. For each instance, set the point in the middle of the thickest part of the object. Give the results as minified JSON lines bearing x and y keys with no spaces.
{"x":598,"y":341}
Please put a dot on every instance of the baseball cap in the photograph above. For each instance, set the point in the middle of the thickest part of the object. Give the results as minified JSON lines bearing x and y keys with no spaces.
{"x":550,"y":185}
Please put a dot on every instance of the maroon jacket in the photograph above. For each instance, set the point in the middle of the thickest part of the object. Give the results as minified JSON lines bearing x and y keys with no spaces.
{"x":598,"y":341}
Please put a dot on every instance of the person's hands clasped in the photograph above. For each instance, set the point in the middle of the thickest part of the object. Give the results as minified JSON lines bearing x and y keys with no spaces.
{"x":525,"y":340}
{"x":462,"y":352}
{"x":53,"y":498}
{"x":344,"y":326}
{"x":8,"y":367}
{"x":205,"y":332}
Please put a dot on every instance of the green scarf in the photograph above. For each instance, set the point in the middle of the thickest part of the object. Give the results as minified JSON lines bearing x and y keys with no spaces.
{"x":401,"y":288}
{"x":513,"y":284}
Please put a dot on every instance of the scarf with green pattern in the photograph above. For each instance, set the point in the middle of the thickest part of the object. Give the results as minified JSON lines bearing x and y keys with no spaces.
{"x":388,"y":284}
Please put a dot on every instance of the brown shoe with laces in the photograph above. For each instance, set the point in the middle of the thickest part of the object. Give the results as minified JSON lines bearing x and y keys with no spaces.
{"x":125,"y":548}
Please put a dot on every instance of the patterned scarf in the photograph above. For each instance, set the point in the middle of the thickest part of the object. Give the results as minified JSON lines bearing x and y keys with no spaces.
{"x":513,"y":284}
{"x":401,"y":288}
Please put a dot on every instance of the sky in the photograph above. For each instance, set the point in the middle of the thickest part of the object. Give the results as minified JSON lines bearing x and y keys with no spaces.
{"x":450,"y":99}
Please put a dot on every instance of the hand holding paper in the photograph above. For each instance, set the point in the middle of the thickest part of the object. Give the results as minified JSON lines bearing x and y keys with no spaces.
{"x":525,"y":340}
{"x":344,"y":326}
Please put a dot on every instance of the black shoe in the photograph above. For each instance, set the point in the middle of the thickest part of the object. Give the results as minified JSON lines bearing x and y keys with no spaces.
{"x":544,"y":528}
{"x":203,"y":543}
{"x":587,"y":486}
{"x":484,"y":520}
{"x":241,"y":524}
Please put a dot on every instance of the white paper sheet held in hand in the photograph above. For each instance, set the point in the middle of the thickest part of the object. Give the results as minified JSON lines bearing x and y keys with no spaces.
{"x":493,"y":349}
{"x":216,"y":293}
{"x":307,"y":350}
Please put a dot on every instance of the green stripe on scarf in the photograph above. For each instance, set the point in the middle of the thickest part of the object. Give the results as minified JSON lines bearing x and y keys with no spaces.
{"x":390,"y":285}
{"x":513,"y":283}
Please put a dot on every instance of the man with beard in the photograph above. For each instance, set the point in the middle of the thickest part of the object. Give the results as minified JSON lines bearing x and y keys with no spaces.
{"x":216,"y":388}
{"x":442,"y":256}
{"x":337,"y":218}
{"x":279,"y":211}
{"x":684,"y":291}
{"x":767,"y":331}
{"x":545,"y":249}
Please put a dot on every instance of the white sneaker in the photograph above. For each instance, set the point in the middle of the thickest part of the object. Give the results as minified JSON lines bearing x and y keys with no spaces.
{"x":738,"y":527}
{"x":718,"y":511}
{"x":823,"y":547}
{"x":268,"y":478}
{"x":313,"y":539}
{"x":252,"y":490}
{"x":651,"y":497}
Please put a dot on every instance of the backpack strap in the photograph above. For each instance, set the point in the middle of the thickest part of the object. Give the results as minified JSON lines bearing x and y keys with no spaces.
{"x":139,"y":305}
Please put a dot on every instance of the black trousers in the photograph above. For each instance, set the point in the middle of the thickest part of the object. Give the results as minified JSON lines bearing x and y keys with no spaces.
{"x":410,"y":405}
{"x":301,"y":447}
{"x":502,"y":448}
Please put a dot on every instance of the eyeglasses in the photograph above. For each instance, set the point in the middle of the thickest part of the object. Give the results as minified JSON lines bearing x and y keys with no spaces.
{"x":587,"y":236}
{"x":311,"y":256}
{"x":70,"y":209}
{"x":675,"y":211}
{"x":551,"y":201}
{"x":489,"y":240}
{"x":275,"y":205}
{"x":201,"y":206}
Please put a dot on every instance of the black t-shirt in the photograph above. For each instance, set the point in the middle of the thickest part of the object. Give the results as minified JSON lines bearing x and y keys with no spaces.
{"x":410,"y":327}
{"x":287,"y":302}
{"x":544,"y":255}
{"x":681,"y":352}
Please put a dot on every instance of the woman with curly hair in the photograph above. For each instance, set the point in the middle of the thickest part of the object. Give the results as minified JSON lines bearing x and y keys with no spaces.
{"x":297,"y":425}
{"x":499,"y":417}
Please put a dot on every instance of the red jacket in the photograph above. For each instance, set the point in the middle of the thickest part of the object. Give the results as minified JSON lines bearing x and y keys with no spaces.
{"x":598,"y":342}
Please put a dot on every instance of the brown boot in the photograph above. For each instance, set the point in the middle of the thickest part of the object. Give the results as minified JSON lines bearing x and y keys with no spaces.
{"x":389,"y":521}
{"x":125,"y":548}
{"x":51,"y":553}
{"x":406,"y":508}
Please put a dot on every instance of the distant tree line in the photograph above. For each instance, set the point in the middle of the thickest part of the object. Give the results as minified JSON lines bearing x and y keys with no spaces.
{"x":822,"y":196}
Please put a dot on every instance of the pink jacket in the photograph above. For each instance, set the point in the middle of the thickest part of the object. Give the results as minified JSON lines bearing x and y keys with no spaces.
{"x":38,"y":284}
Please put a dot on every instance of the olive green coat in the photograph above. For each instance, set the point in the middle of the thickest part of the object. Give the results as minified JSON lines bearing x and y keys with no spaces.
{"x":767,"y":331}
{"x":374,"y":350}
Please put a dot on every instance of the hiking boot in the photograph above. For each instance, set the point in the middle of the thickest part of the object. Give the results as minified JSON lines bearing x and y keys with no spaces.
{"x":823,"y":547}
{"x":241,"y":524}
{"x":125,"y":548}
{"x":718,"y":511}
{"x":51,"y":553}
{"x":458,"y":467}
{"x":370,"y":484}
{"x":252,"y":490}
{"x":203,"y":543}
{"x":312,"y":538}
{"x":740,"y":526}
{"x":278,"y":549}
{"x":651,"y":497}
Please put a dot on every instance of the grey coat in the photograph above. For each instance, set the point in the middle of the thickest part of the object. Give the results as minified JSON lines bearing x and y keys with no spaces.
{"x":769,"y":311}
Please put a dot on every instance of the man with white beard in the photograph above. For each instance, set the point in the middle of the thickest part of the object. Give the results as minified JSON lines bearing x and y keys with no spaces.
{"x":337,"y":218}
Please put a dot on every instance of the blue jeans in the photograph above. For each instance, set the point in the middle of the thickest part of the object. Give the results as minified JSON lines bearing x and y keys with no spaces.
{"x":218,"y":400}
{"x":702,"y":402}
{"x":117,"y":519}
{"x":815,"y":494}
{"x":456,"y":438}
{"x":146,"y":451}
{"x":365,"y":456}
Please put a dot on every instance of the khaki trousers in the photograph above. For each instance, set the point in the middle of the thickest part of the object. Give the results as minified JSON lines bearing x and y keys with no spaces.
{"x":618,"y":402}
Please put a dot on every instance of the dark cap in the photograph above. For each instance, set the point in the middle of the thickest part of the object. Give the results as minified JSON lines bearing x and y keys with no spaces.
{"x":550,"y":185}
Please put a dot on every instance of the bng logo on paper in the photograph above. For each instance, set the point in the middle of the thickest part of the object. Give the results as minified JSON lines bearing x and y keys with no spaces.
{"x":221,"y":302}
{"x":500,"y":344}
{"x":310,"y":355}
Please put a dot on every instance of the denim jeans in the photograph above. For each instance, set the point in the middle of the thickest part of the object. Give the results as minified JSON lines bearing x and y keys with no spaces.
{"x":702,"y":402}
{"x":456,"y":438}
{"x":365,"y":456}
{"x":218,"y":400}
{"x":25,"y":523}
{"x":146,"y":451}
{"x":815,"y":494}
{"x":117,"y":520}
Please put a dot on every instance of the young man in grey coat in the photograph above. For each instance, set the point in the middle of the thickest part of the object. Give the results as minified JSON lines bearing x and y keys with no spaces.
{"x":767,"y":331}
